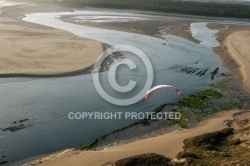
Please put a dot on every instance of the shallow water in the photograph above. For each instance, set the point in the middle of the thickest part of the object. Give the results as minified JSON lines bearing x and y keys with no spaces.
{"x":205,"y":37}
{"x":46,"y":102}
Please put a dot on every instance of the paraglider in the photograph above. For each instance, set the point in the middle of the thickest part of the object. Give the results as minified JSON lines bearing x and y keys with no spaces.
{"x":159,"y":87}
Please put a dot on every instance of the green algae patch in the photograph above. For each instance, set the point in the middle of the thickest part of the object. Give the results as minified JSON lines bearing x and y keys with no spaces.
{"x":231,"y":105}
{"x":199,"y":100}
{"x":88,"y":146}
{"x":222,"y":85}
{"x":182,"y":122}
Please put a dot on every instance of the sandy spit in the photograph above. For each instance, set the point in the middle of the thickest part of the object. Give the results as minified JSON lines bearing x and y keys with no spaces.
{"x":29,"y":50}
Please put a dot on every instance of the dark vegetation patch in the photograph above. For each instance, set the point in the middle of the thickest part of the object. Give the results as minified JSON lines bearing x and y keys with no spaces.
{"x":209,"y":139}
{"x":171,"y":6}
{"x":221,"y":147}
{"x":150,"y":159}
{"x":187,"y":155}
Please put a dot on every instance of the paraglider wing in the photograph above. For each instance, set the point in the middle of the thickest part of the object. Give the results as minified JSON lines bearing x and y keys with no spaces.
{"x":159,"y":87}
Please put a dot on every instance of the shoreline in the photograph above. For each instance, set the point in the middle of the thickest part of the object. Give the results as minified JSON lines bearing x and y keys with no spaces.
{"x":234,"y":52}
{"x":169,"y":144}
{"x":240,"y":56}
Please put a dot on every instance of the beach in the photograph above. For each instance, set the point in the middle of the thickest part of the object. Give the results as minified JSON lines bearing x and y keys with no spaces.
{"x":238,"y":48}
{"x":42,"y":51}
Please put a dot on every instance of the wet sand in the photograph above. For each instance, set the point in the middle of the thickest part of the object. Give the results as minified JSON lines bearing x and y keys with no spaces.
{"x":168,"y":144}
{"x":153,"y":27}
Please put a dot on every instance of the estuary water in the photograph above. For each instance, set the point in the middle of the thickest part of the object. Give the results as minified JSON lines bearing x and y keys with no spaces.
{"x":40,"y":106}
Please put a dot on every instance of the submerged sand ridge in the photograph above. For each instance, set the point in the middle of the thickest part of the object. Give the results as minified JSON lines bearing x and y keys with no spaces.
{"x":41,"y":51}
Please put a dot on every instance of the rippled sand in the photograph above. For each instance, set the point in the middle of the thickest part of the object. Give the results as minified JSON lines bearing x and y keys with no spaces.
{"x":30,"y":50}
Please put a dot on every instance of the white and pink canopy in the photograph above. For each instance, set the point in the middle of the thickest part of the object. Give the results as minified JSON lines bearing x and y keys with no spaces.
{"x":159,"y":87}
